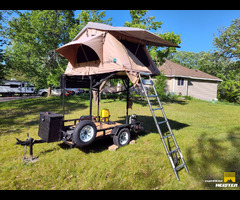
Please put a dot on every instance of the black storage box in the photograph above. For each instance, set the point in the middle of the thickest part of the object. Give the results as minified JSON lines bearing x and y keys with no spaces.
{"x":50,"y":126}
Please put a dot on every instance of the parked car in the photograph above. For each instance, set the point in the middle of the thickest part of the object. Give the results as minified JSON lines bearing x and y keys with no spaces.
{"x":54,"y":92}
{"x":58,"y":91}
{"x":76,"y":91}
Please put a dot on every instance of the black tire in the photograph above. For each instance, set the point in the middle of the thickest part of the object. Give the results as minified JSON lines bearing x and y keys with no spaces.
{"x":122,"y":138}
{"x":84,"y":133}
{"x":44,"y":94}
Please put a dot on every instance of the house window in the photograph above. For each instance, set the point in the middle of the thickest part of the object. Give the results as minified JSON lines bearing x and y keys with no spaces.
{"x":180,"y":82}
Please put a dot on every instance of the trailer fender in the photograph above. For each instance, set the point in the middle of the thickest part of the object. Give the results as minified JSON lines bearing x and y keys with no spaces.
{"x":116,"y":129}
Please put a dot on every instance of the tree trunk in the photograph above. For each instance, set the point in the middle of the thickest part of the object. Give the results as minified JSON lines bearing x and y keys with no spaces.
{"x":48,"y":92}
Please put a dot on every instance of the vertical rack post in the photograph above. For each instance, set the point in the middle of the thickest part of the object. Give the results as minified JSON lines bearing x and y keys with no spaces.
{"x":98,"y":96}
{"x":63,"y":84}
{"x":91,"y":95}
{"x":127,"y":84}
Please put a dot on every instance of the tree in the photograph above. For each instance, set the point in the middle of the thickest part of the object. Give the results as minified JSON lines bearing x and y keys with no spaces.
{"x":228,"y":42}
{"x":4,"y":15}
{"x":205,"y":61}
{"x":160,"y":84}
{"x":139,"y":19}
{"x":227,"y":46}
{"x":33,"y":37}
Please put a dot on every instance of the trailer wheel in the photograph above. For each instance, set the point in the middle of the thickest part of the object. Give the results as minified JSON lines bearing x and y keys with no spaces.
{"x":84,"y":133}
{"x":122,"y":138}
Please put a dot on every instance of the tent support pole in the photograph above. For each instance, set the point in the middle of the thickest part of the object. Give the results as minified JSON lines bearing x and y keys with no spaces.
{"x":98,"y":100}
{"x":127,"y":83}
{"x":63,"y":82}
{"x":91,"y":95}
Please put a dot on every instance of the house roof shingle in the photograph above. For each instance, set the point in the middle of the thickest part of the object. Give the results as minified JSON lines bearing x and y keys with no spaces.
{"x":171,"y":69}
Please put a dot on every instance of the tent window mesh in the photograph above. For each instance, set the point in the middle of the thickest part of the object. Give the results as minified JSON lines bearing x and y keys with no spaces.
{"x":140,"y":54}
{"x":86,"y":54}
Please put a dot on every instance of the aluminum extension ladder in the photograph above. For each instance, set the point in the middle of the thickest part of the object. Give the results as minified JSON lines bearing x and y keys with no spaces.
{"x":172,"y":154}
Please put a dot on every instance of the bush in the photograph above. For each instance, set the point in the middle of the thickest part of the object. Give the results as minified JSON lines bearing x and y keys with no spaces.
{"x":229,"y":90}
{"x":160,"y":85}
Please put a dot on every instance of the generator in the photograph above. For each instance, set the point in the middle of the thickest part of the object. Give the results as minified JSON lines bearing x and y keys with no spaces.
{"x":50,"y":126}
{"x":105,"y":114}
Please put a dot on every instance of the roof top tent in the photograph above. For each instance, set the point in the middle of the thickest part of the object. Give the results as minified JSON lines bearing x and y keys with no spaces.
{"x":100,"y":52}
{"x":100,"y":49}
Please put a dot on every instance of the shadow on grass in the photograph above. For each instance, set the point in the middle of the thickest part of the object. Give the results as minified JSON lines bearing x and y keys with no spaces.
{"x":213,"y":154}
{"x":13,"y":113}
{"x":103,"y":143}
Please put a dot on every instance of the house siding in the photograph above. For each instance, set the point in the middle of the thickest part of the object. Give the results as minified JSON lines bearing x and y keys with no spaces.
{"x":169,"y":85}
{"x":199,"y":89}
{"x":205,"y":90}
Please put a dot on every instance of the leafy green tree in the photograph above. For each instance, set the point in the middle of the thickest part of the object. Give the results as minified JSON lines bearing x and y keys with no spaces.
{"x":33,"y":37}
{"x":140,"y":20}
{"x":205,"y":61}
{"x":4,"y":15}
{"x":160,"y":84}
{"x":227,"y":46}
{"x":228,"y":42}
{"x":229,"y":90}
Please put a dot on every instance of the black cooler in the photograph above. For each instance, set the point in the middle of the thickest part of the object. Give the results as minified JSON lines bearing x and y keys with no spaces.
{"x":50,"y":126}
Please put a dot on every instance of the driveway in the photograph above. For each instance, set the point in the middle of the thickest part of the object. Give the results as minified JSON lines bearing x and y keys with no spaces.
{"x":2,"y":99}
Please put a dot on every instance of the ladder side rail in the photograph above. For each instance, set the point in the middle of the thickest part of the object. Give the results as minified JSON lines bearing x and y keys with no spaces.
{"x":169,"y":128}
{"x":165,"y":117}
{"x":158,"y":128}
{"x":149,"y":103}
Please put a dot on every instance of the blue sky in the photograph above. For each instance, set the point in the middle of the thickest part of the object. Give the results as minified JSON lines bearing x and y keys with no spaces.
{"x":196,"y":27}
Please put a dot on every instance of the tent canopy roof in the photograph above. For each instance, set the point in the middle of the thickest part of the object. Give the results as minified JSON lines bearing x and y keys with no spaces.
{"x":145,"y":36}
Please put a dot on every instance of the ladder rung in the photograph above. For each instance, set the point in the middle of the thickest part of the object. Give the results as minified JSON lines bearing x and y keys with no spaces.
{"x":147,"y":82}
{"x":167,"y":136}
{"x":143,"y":73}
{"x":180,"y":166}
{"x":170,"y":152}
{"x":162,"y":122}
{"x":157,"y":108}
{"x":152,"y":95}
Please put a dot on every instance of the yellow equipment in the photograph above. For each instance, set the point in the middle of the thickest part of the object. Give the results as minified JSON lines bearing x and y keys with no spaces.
{"x":105,"y":114}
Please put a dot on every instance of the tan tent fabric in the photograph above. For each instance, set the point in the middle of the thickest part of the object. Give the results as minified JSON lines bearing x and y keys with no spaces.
{"x":111,"y":49}
{"x":69,"y":50}
{"x":134,"y":33}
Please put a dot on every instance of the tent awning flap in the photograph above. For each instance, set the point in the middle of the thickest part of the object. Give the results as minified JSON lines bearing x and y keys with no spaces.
{"x":69,"y":50}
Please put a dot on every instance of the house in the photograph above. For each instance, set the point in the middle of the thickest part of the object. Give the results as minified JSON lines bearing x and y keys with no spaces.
{"x":189,"y":82}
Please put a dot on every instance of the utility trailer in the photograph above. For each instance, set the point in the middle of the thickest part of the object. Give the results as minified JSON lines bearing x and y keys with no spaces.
{"x":84,"y":130}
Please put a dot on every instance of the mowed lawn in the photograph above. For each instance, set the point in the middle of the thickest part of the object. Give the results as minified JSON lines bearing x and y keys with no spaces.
{"x":208,"y":135}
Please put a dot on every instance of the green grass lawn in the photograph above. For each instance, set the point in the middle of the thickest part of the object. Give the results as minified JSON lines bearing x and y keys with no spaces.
{"x":208,"y":135}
